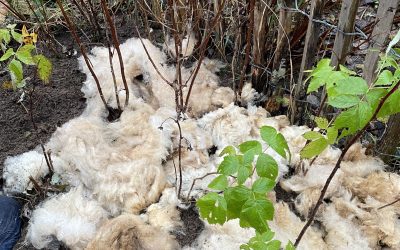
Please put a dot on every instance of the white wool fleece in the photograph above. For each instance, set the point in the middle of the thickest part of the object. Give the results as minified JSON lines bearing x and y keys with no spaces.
{"x":18,"y":169}
{"x":72,"y":218}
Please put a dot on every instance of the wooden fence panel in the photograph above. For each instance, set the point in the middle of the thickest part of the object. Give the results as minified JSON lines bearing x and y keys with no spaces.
{"x":346,"y":25}
{"x":383,"y":26}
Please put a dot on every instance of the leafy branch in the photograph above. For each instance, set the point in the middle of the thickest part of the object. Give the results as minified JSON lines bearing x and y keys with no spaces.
{"x":362,"y":104}
{"x":237,"y":196}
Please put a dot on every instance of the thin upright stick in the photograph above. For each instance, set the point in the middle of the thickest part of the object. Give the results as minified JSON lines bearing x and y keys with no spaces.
{"x":116,"y":44}
{"x":71,"y":27}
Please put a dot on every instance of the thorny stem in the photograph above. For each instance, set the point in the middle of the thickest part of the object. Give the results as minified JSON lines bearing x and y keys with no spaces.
{"x":116,"y":44}
{"x":83,"y":51}
{"x":337,"y":166}
{"x":248,"y":44}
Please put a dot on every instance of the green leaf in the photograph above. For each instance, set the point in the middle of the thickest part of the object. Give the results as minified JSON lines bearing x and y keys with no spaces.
{"x":275,"y":140}
{"x":354,"y":118}
{"x":331,"y":134}
{"x":230,"y":150}
{"x":5,"y":36}
{"x":219,"y":183}
{"x":323,"y":67}
{"x":322,"y":122}
{"x":256,"y":213}
{"x":262,"y":242}
{"x":391,"y":105}
{"x":263,"y":185}
{"x":387,"y":61}
{"x":235,"y":198}
{"x":385,"y":78}
{"x":349,"y":86}
{"x":229,"y":165}
{"x":267,"y":167}
{"x":314,"y":148}
{"x":250,"y":149}
{"x":273,"y":245}
{"x":16,"y":71}
{"x":315,"y":84}
{"x":312,"y":135}
{"x":244,"y":172}
{"x":290,"y":246}
{"x":250,"y":145}
{"x":44,"y":67}
{"x":343,"y":101}
{"x":17,"y":36}
{"x":213,"y":208}
{"x":7,"y":55}
{"x":346,"y":70}
{"x":374,"y":96}
{"x":24,"y":54}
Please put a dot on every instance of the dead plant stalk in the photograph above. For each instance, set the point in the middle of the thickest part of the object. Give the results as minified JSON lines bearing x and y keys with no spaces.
{"x":114,"y":37}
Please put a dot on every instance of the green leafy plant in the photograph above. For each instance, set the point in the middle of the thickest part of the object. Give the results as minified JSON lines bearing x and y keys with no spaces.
{"x":25,"y":54}
{"x":355,"y":100}
{"x":245,"y":177}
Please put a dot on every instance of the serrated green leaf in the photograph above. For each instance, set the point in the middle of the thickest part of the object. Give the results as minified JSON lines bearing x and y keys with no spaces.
{"x":315,"y":84}
{"x":219,"y":183}
{"x":244,"y":172}
{"x":44,"y":67}
{"x":250,"y":145}
{"x":275,"y":140}
{"x":267,"y":167}
{"x":17,"y":36}
{"x":256,"y":213}
{"x":351,"y":85}
{"x":385,"y":78}
{"x":230,"y":150}
{"x":314,"y":148}
{"x":7,"y":55}
{"x":273,"y":245}
{"x":24,"y":55}
{"x":387,"y":61}
{"x":5,"y":36}
{"x":213,"y":208}
{"x":235,"y":198}
{"x":343,"y":101}
{"x":16,"y":71}
{"x":312,"y":135}
{"x":263,"y":185}
{"x":391,"y":105}
{"x":322,"y":122}
{"x":229,"y":165}
{"x":374,"y":96}
{"x":331,"y":135}
{"x":323,"y":67}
